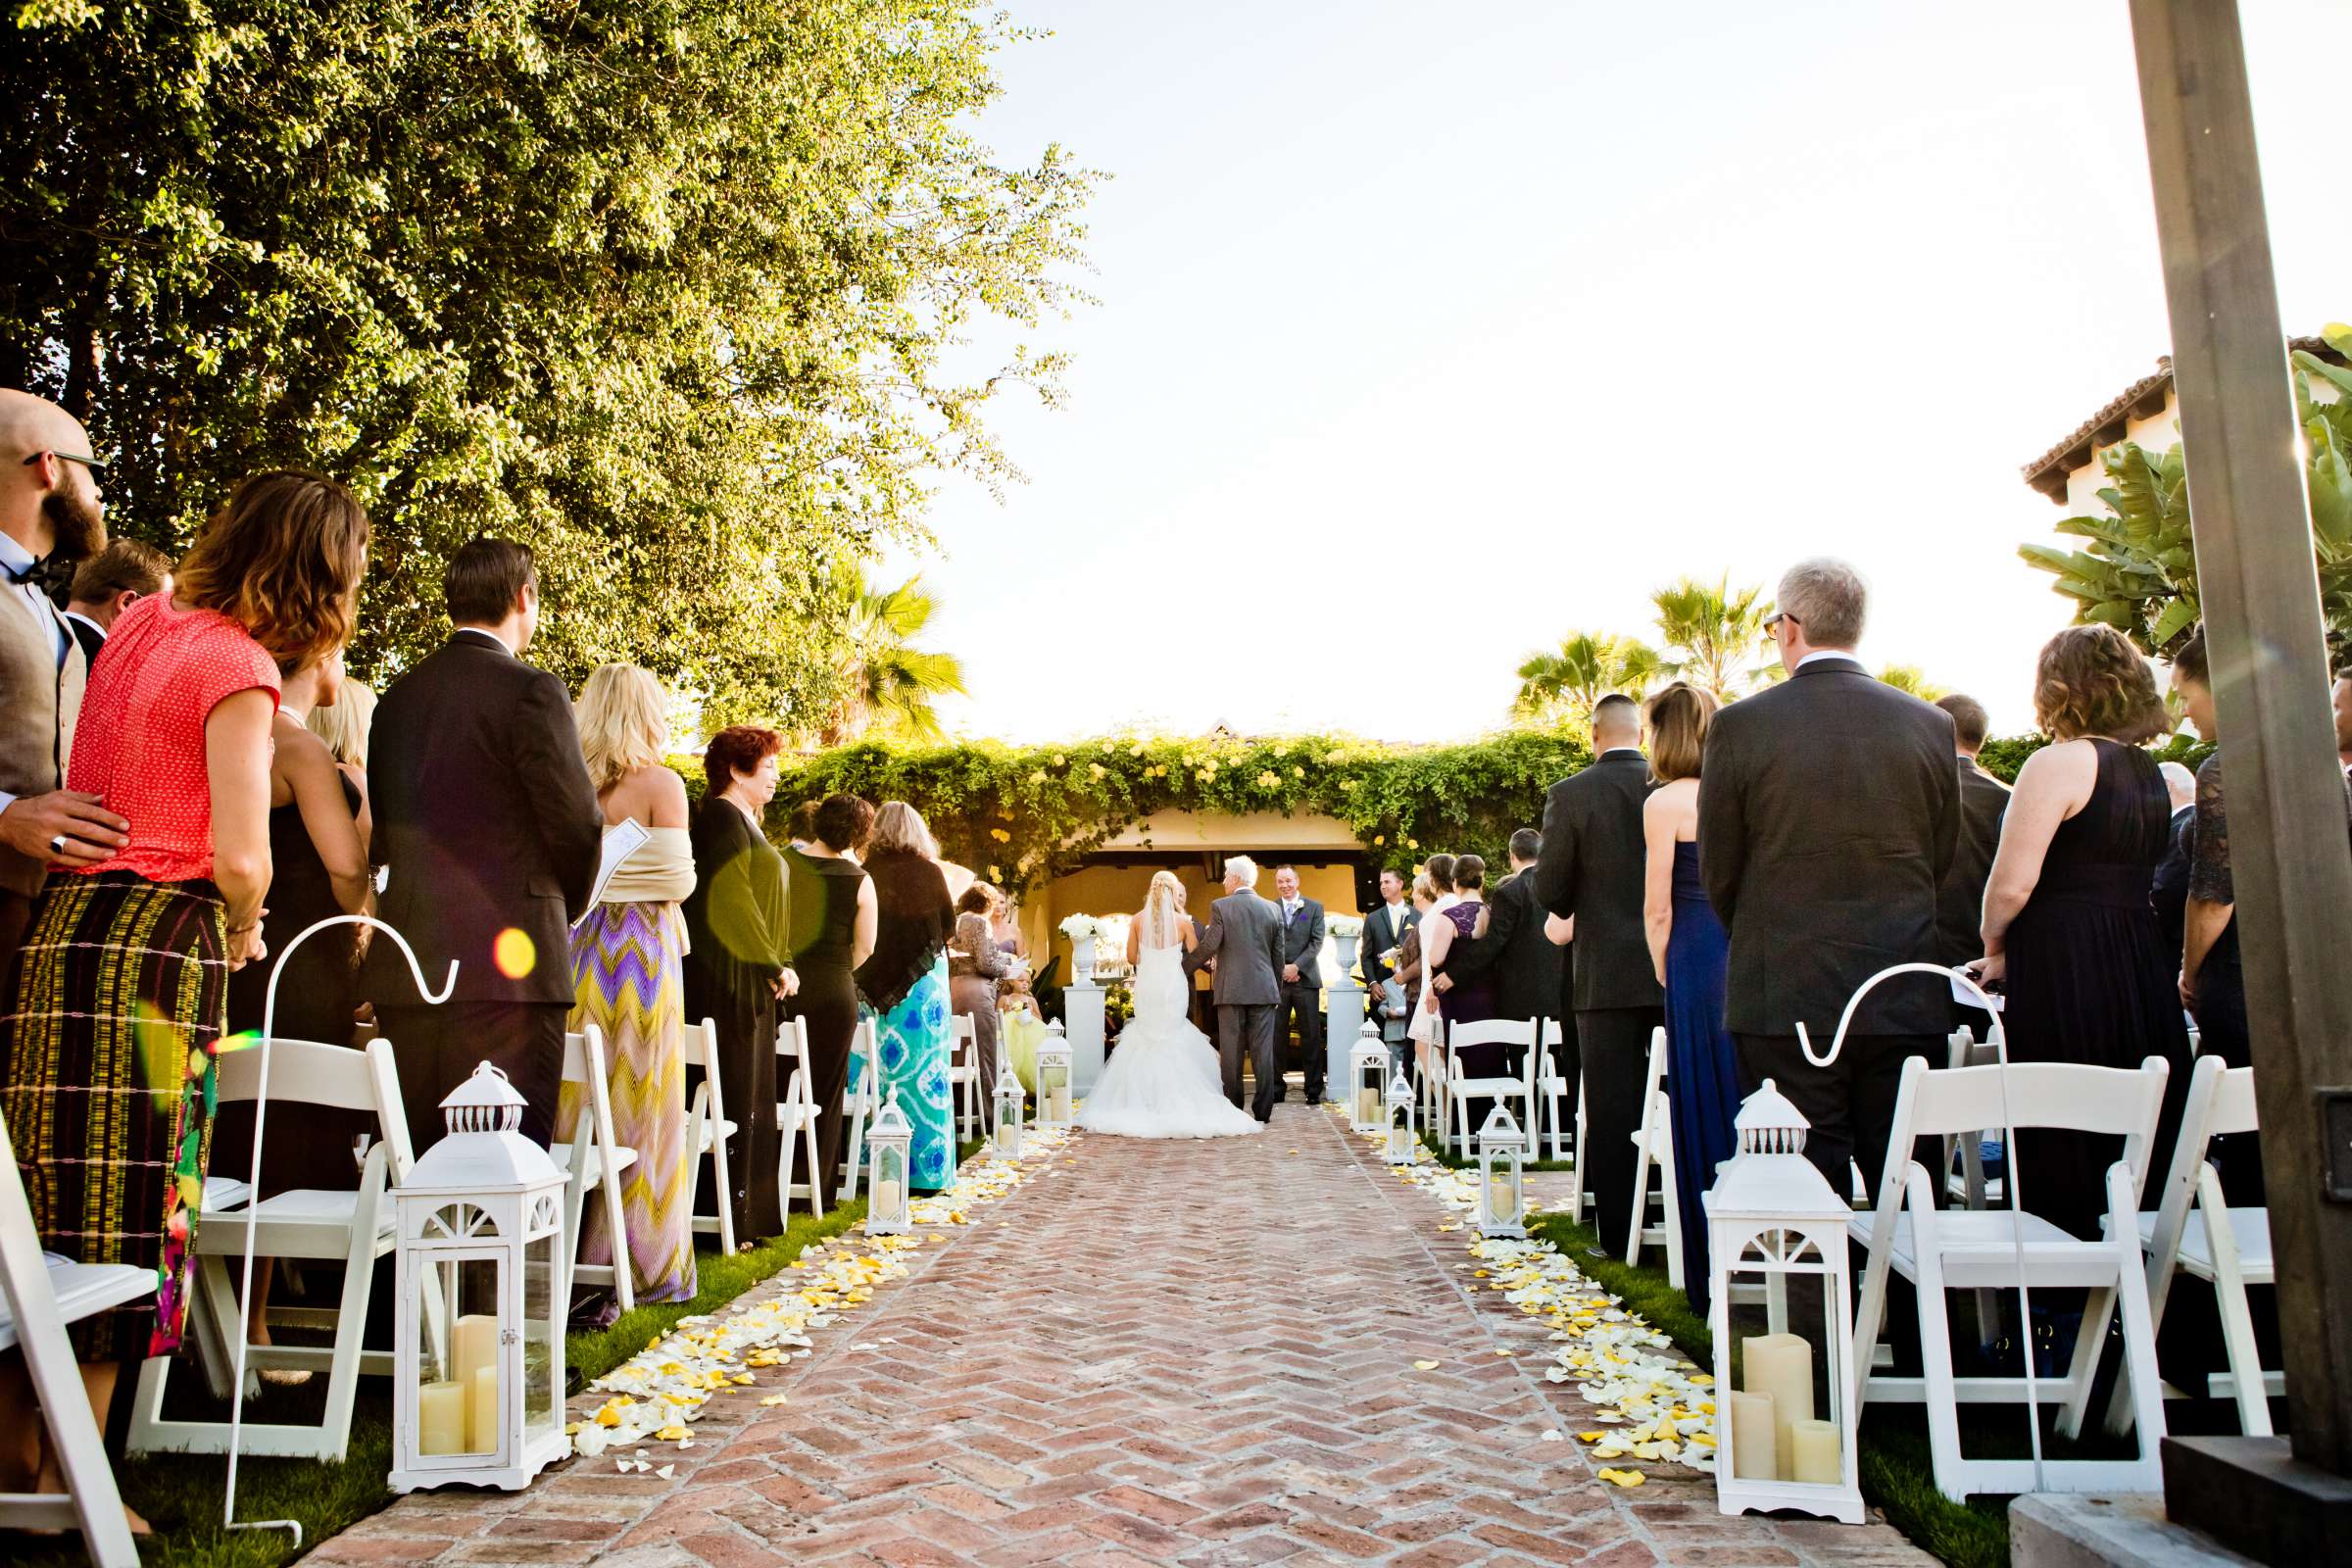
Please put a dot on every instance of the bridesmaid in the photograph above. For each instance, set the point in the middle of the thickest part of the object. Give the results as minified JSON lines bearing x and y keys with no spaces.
{"x":906,"y":983}
{"x":1691,"y":952}
{"x":626,"y":961}
{"x":830,"y":901}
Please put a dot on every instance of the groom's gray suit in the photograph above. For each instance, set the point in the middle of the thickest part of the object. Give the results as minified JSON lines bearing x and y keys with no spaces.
{"x":1245,"y":936}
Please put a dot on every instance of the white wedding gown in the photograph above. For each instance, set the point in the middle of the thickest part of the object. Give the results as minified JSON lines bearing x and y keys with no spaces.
{"x":1162,"y":1080}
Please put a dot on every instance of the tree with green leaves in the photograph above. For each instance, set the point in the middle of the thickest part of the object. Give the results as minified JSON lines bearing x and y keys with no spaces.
{"x":887,"y":685}
{"x":2138,"y":570}
{"x":1715,"y":635}
{"x":1562,"y":686}
{"x":1911,"y":678}
{"x":679,"y":293}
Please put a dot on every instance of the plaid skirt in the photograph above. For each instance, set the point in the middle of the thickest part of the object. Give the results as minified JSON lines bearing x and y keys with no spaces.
{"x":119,"y":1002}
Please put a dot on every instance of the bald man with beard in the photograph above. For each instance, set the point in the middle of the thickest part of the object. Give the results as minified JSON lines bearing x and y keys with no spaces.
{"x":50,"y":518}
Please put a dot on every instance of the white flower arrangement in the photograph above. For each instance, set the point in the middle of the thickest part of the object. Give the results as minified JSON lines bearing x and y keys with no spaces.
{"x":1345,"y":925}
{"x":1080,"y":927}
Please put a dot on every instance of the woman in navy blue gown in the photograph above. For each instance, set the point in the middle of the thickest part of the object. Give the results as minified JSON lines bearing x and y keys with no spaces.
{"x":1691,"y":951}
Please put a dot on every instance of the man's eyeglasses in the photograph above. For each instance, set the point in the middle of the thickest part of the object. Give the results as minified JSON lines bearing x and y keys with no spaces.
{"x":83,"y":459}
{"x":1779,"y":616}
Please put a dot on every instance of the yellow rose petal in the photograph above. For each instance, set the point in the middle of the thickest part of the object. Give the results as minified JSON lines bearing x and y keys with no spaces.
{"x":1623,"y":1478}
{"x":1425,"y":1366}
{"x":773,"y":1398}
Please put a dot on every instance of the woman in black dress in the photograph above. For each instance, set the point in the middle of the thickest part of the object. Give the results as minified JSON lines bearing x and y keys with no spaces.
{"x":735,"y":968}
{"x":831,"y":920}
{"x":2068,"y":926}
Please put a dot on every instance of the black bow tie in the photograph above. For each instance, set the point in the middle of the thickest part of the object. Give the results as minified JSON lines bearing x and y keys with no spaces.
{"x":48,"y":575}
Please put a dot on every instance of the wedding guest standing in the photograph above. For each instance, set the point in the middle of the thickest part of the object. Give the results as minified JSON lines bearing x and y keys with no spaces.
{"x":2169,"y":892}
{"x":2069,"y":930}
{"x":975,"y":966}
{"x":1960,"y":900}
{"x":905,"y":982}
{"x":118,"y":1005}
{"x":1423,"y":1027}
{"x":1828,"y":820}
{"x":1301,"y":1007}
{"x":1004,"y":927}
{"x":1590,"y":871}
{"x":737,"y":938}
{"x":345,"y":726}
{"x":49,"y":519}
{"x":627,"y":978}
{"x":834,"y":924}
{"x":1463,"y":998}
{"x":489,"y":827}
{"x":1524,"y":961}
{"x":110,"y":582}
{"x":1384,"y":929}
{"x":1691,"y":952}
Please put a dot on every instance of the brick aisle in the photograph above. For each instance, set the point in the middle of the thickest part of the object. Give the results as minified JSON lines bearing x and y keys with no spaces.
{"x":1193,"y":1353}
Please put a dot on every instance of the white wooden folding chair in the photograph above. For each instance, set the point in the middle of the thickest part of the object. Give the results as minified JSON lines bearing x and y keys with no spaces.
{"x":795,"y":1118}
{"x":1549,"y":1091}
{"x":39,"y":1296}
{"x":1653,"y":1150}
{"x":1461,"y":1088}
{"x":1944,"y":1250}
{"x":351,"y":1227}
{"x":591,"y":1161}
{"x":859,"y":1103}
{"x":707,"y":1130}
{"x":963,"y":1076}
{"x":1964,"y":1179}
{"x":2194,"y":1230}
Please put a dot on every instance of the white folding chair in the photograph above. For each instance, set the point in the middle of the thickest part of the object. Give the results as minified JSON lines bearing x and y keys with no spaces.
{"x":1964,"y":1179}
{"x":1946,"y":1249}
{"x":39,"y":1295}
{"x":1653,"y":1150}
{"x":963,"y":1076}
{"x":350,"y":1227}
{"x":795,"y":1118}
{"x":2194,"y":1230}
{"x":707,"y":1130}
{"x":1550,"y":1090}
{"x":594,"y":1159}
{"x":1460,"y":1090}
{"x":858,"y":1102}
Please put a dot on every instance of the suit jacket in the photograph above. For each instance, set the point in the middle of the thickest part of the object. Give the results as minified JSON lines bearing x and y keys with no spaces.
{"x":1960,"y":902}
{"x":1245,"y":936}
{"x":1590,"y":869}
{"x":485,"y":816}
{"x":2169,"y":891}
{"x":40,"y":700}
{"x":1302,"y":942}
{"x":1526,"y":964}
{"x":90,"y":637}
{"x":1828,"y":815}
{"x":1381,"y":933}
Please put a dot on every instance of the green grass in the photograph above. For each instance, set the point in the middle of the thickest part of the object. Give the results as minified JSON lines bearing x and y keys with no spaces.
{"x":1437,"y":1147}
{"x":180,"y":1494}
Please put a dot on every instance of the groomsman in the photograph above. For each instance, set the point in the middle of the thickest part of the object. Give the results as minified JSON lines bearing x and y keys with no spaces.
{"x":1301,"y":976}
{"x":1384,"y":930}
{"x":1960,"y":902}
{"x":491,"y":830}
{"x":1588,"y":869}
{"x":1830,"y":817}
{"x":1527,"y":964}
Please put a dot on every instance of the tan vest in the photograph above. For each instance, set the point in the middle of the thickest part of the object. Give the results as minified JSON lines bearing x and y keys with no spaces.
{"x":39,"y":704}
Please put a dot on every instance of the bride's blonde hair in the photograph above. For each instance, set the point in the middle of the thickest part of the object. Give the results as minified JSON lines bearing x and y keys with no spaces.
{"x":1160,"y":901}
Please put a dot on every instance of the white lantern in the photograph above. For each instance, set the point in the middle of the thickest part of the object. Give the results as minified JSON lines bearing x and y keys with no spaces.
{"x":1405,"y":1138}
{"x":1369,"y":1070}
{"x":484,"y":1282}
{"x":1501,"y":1175}
{"x":890,"y":1139}
{"x":1011,"y":1100}
{"x":1053,"y":1078}
{"x":1777,"y":1232}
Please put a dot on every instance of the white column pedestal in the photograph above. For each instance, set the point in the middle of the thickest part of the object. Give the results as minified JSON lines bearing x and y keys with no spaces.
{"x":1082,"y":1024}
{"x":1343,"y":1019}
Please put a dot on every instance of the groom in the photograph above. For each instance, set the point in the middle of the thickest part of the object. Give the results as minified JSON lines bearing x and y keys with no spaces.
{"x":1244,"y":936}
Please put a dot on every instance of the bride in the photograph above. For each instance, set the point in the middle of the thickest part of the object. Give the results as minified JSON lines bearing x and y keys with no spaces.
{"x":1161,"y":1082}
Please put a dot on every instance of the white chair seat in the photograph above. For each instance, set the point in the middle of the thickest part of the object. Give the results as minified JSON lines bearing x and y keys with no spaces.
{"x":222,"y":1193}
{"x":82,"y":1288}
{"x":2249,"y":1227}
{"x":592,"y":1164}
{"x":1979,"y":1249}
{"x":711,"y":1132}
{"x":1487,"y":1087}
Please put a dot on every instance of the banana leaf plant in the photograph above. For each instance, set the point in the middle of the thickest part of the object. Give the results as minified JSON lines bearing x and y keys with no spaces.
{"x":2137,"y":570}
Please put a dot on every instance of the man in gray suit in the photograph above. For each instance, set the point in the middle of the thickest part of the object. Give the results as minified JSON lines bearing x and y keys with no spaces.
{"x":1244,"y":941}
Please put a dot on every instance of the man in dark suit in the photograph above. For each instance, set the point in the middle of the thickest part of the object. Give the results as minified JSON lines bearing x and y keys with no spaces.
{"x":1301,"y":1007}
{"x":107,"y":584}
{"x":1590,"y":870}
{"x":1960,"y":902}
{"x":2167,"y":891}
{"x":1829,"y":819}
{"x":491,"y":829}
{"x":1384,"y":932}
{"x":1244,"y":941}
{"x":1526,"y":963}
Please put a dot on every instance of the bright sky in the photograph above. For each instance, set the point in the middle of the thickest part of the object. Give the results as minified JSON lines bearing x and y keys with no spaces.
{"x":1472,"y":324}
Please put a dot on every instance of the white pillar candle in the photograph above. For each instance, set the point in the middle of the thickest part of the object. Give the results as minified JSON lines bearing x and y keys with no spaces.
{"x":1780,"y":1365}
{"x":1815,"y":1455}
{"x":1755,"y":1443}
{"x":886,"y":1197}
{"x":1500,"y":1199}
{"x":1061,"y":1102}
{"x":1368,"y":1106}
{"x":474,"y":1344}
{"x":441,"y":1418}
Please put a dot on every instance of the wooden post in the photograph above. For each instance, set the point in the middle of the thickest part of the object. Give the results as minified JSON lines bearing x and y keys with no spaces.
{"x":2285,"y":791}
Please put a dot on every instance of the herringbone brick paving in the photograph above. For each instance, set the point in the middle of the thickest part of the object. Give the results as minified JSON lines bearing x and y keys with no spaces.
{"x":1157,"y":1352}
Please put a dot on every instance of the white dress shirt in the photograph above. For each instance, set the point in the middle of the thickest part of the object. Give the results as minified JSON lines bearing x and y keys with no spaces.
{"x":16,"y":558}
{"x":1845,"y":653}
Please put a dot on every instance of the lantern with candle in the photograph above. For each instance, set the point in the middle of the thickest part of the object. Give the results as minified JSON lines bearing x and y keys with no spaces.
{"x":480,"y":1318}
{"x":1501,"y":1175}
{"x":1368,"y":1071}
{"x":1405,"y":1140}
{"x":1011,"y":1101}
{"x":1777,"y":1235}
{"x":888,"y":1138}
{"x":1053,"y":1078}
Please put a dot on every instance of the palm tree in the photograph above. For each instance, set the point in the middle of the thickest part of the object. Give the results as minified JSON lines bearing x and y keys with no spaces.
{"x":1911,"y":678}
{"x":1718,"y":633}
{"x":1563,"y":686}
{"x":887,"y":683}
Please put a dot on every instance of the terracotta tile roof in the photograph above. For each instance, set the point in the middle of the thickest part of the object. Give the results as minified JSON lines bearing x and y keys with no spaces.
{"x":2048,"y":472}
